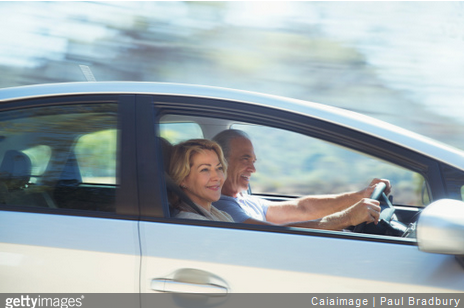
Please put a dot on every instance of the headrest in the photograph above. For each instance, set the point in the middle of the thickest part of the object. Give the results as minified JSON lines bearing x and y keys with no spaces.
{"x":15,"y":169}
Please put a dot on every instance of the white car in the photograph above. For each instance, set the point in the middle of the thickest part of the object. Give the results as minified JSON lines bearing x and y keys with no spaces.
{"x":84,"y":208}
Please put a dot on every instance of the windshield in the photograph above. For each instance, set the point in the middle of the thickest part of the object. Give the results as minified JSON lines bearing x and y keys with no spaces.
{"x":401,"y":62}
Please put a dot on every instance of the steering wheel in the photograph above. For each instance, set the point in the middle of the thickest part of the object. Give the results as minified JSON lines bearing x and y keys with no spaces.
{"x":386,"y":224}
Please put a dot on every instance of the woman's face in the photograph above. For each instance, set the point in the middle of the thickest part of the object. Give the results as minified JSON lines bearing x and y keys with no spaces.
{"x":204,"y":183}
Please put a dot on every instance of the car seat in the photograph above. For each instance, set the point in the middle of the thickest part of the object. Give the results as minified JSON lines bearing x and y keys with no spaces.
{"x":15,"y":186}
{"x":15,"y":173}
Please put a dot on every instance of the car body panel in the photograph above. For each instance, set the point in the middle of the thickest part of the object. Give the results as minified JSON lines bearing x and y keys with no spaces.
{"x":46,"y":253}
{"x":257,"y":261}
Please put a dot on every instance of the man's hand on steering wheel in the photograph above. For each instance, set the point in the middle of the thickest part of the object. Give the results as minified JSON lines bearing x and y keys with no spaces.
{"x":385,"y":214}
{"x":367,"y":192}
{"x":365,"y":211}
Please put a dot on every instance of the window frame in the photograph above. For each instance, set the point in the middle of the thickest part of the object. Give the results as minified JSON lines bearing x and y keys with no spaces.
{"x":126,"y":206}
{"x":236,"y":111}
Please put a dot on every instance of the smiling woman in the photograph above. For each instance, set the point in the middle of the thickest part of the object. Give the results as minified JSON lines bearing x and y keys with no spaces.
{"x":199,"y":168}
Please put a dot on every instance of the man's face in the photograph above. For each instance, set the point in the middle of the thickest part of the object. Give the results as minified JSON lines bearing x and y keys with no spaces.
{"x":241,"y":162}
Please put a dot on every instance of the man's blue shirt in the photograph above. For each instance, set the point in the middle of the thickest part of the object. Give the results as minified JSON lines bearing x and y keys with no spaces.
{"x":243,"y":207}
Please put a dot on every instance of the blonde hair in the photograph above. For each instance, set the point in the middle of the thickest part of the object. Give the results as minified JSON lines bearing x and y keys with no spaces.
{"x":182,"y":157}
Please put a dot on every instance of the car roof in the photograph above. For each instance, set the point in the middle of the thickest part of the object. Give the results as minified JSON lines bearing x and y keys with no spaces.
{"x":346,"y":118}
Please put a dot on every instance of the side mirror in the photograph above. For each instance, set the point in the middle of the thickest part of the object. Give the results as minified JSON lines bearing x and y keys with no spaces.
{"x":440,"y":228}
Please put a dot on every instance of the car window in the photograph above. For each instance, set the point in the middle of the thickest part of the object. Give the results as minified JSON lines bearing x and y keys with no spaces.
{"x":178,"y":132}
{"x":59,"y":157}
{"x":294,"y":164}
{"x":96,"y":157}
{"x":291,"y":164}
{"x":40,"y":156}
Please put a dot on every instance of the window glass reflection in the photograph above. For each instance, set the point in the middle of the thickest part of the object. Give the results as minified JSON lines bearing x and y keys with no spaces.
{"x":59,"y":157}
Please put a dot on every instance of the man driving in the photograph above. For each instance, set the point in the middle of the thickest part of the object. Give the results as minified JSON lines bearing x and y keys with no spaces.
{"x":331,"y":212}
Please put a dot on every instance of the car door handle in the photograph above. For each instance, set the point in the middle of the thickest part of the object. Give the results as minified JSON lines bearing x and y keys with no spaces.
{"x":174,"y":286}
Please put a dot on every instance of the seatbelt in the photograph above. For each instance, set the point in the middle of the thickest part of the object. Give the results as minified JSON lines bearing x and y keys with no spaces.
{"x":174,"y":188}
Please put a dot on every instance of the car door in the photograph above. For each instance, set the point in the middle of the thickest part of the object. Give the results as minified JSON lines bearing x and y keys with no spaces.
{"x":68,"y":200}
{"x":216,"y":257}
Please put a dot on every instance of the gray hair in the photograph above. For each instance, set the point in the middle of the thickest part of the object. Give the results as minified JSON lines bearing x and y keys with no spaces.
{"x":225,"y":137}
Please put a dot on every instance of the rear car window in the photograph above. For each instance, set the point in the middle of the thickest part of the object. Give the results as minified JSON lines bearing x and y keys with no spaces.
{"x":96,"y":157}
{"x":178,"y":132}
{"x":59,"y":157}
